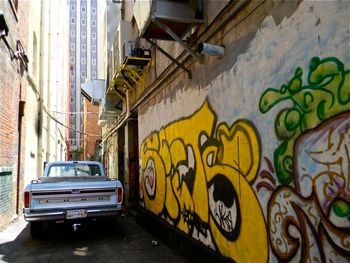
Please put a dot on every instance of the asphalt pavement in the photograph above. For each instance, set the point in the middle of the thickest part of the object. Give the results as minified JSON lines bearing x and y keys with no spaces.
{"x":118,"y":240}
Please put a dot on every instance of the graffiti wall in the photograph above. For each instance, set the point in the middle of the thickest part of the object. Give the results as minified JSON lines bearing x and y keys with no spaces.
{"x":255,"y":164}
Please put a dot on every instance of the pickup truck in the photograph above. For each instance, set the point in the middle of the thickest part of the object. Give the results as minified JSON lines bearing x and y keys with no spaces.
{"x":69,"y":191}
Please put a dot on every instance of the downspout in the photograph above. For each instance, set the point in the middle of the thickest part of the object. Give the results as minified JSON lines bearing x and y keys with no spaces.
{"x":19,"y":152}
{"x":41,"y":88}
{"x":48,"y":120}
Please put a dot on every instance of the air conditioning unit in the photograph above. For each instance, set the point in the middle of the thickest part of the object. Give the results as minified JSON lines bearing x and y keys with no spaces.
{"x":178,"y":15}
{"x":110,"y":107}
{"x":124,"y":37}
{"x":128,"y":47}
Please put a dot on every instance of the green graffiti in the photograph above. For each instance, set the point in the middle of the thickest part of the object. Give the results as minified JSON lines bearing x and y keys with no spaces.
{"x":326,"y":94}
{"x":341,"y":208}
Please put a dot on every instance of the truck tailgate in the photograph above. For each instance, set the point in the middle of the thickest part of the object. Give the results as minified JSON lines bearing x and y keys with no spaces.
{"x":65,"y":195}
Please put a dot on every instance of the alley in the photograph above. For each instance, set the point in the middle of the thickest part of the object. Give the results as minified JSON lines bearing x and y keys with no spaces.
{"x":121,"y":240}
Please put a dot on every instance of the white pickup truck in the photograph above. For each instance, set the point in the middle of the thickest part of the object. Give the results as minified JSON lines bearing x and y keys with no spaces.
{"x":71,"y":190}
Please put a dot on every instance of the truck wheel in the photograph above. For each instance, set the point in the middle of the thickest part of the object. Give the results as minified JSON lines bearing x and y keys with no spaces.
{"x":36,"y":229}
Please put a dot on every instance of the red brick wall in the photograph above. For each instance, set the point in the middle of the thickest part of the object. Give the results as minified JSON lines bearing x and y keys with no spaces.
{"x":13,"y":86}
{"x":91,"y":127}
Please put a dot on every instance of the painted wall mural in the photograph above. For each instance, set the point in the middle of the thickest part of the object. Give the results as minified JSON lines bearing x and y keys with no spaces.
{"x":204,"y":177}
{"x":311,"y":221}
{"x":198,"y":175}
{"x":326,"y":94}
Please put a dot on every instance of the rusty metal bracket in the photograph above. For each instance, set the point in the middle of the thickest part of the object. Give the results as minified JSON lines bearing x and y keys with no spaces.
{"x":177,"y":39}
{"x":170,"y":57}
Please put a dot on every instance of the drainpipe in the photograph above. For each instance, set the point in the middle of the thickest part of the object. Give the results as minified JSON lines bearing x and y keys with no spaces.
{"x":19,"y":150}
{"x":48,"y":120}
{"x":41,"y":88}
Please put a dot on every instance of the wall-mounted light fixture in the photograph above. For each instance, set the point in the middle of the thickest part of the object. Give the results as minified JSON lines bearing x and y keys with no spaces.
{"x":4,"y":30}
{"x":209,"y":49}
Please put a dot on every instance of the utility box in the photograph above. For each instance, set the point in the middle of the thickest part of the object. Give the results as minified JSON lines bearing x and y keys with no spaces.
{"x":178,"y":15}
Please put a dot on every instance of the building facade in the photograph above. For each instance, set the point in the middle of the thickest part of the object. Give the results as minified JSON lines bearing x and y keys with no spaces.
{"x":237,"y":132}
{"x":33,"y":83}
{"x":48,"y":80}
{"x":83,"y":27}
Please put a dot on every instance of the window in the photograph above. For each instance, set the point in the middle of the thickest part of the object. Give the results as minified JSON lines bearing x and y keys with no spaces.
{"x":83,"y":22}
{"x":72,"y":46}
{"x":94,"y":74}
{"x":72,"y":73}
{"x":72,"y":60}
{"x":74,"y":170}
{"x":83,"y":47}
{"x":72,"y":8}
{"x":72,"y":33}
{"x":72,"y":86}
{"x":72,"y":99}
{"x":93,"y":48}
{"x":83,"y":34}
{"x":93,"y":23}
{"x":72,"y":20}
{"x":83,"y":61}
{"x":93,"y":35}
{"x":83,"y":9}
{"x":93,"y":10}
{"x":93,"y":61}
{"x":83,"y":73}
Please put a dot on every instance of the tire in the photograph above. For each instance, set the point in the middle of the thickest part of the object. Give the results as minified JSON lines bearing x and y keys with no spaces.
{"x":36,"y":229}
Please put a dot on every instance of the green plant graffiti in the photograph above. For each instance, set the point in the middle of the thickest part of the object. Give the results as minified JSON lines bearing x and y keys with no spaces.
{"x":326,"y":94}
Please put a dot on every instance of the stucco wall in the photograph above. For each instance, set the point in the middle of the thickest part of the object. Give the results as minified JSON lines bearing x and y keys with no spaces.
{"x":251,"y":156}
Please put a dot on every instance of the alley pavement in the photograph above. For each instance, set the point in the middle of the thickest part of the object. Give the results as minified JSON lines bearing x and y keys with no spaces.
{"x":120,"y":240}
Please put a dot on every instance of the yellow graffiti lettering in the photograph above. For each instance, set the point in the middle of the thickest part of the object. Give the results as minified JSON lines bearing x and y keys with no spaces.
{"x":197,"y":176}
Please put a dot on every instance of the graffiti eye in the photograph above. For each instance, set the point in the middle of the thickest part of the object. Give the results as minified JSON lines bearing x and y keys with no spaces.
{"x":186,"y":170}
{"x":150,"y":177}
{"x":224,"y":206}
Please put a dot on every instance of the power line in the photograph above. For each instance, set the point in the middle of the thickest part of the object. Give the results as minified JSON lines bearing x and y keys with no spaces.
{"x":67,"y":127}
{"x":75,"y":112}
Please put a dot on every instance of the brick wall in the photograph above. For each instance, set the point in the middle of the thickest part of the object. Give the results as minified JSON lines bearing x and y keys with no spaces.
{"x":91,"y":127}
{"x":12,"y":90}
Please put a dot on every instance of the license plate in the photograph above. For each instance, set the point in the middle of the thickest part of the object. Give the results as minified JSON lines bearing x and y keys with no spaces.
{"x":73,"y":214}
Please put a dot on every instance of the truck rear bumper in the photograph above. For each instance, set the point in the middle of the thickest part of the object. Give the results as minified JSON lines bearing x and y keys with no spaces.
{"x":62,"y":214}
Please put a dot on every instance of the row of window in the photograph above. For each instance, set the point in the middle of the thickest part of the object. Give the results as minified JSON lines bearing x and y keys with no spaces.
{"x":83,"y":75}
{"x":83,"y":34}
{"x":83,"y":22}
{"x":72,"y":100}
{"x":83,"y":47}
{"x":83,"y":9}
{"x":83,"y":61}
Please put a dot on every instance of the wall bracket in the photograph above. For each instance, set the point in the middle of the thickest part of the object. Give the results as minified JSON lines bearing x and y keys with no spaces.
{"x":170,"y":57}
{"x":171,"y":33}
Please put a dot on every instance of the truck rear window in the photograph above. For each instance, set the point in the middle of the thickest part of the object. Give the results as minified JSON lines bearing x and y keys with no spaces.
{"x":72,"y":170}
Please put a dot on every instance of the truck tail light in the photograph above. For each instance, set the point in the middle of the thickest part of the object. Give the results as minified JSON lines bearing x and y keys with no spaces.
{"x":26,"y":199}
{"x":119,"y":194}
